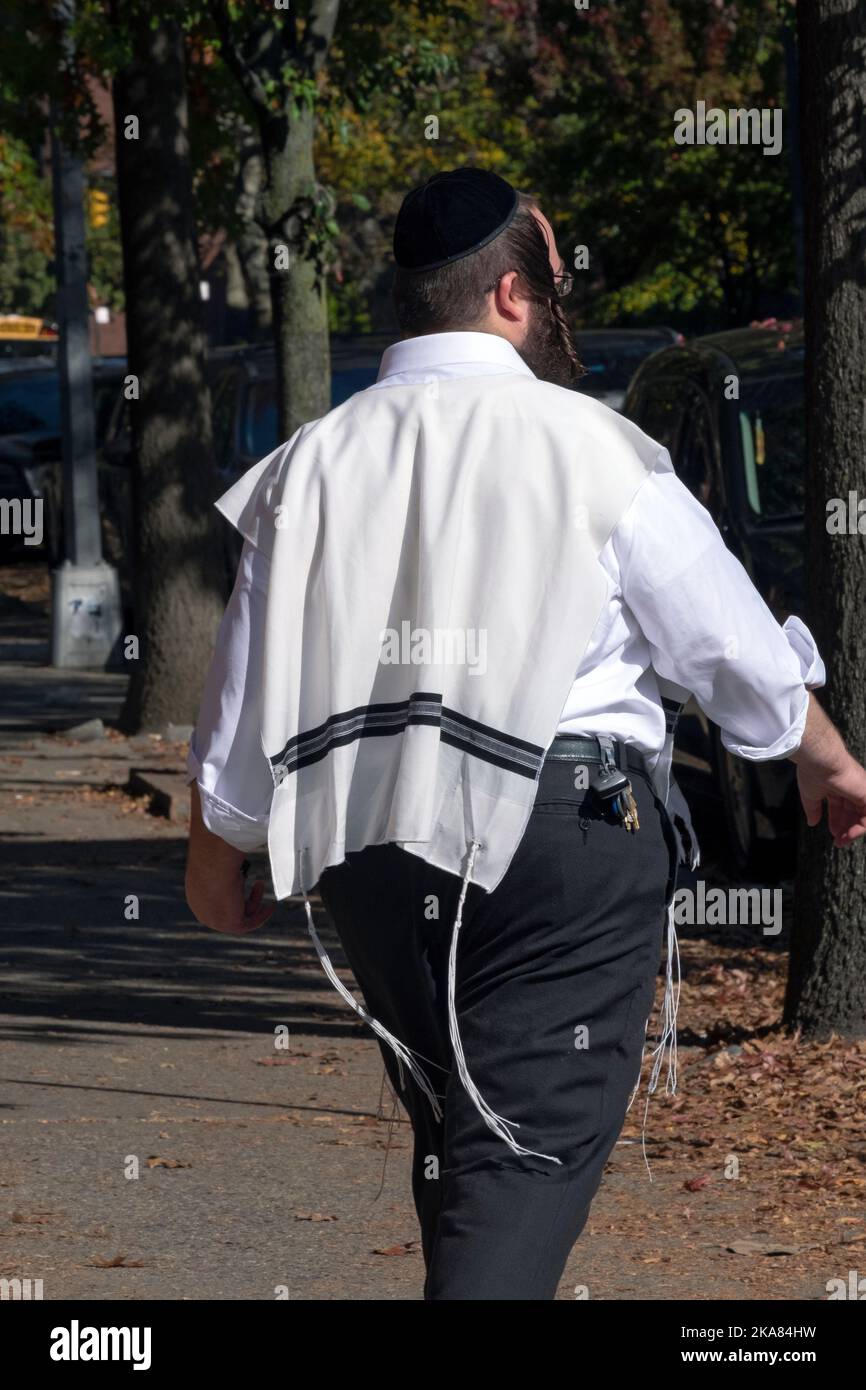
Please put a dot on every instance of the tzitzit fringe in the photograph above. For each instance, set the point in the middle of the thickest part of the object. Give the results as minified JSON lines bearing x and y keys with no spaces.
{"x":500,"y":1126}
{"x":666,"y":1034}
{"x":405,"y":1055}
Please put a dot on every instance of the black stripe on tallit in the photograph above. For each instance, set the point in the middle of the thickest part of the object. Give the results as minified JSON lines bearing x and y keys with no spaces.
{"x":382,"y":720}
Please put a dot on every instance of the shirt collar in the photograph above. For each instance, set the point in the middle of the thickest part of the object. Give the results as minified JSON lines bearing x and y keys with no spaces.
{"x":464,"y":350}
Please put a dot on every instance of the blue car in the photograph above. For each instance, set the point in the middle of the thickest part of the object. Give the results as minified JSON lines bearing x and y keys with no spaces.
{"x":244,"y":394}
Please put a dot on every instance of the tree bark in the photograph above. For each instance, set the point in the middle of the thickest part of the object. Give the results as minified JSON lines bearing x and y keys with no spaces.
{"x":827,"y":980}
{"x":272,"y":63}
{"x":178,"y":575}
{"x":252,"y":246}
{"x":298,"y":294}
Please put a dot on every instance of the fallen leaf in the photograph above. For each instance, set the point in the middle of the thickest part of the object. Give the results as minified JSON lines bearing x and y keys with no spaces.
{"x":767,"y":1247}
{"x":118,"y":1262}
{"x":695,"y":1184}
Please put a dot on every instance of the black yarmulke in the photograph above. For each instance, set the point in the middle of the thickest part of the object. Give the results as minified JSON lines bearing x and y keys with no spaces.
{"x":450,"y":216}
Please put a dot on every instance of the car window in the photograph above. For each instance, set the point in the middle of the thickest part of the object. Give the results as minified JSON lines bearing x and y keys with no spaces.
{"x":12,"y":349}
{"x":346,"y":381}
{"x":30,"y":405}
{"x":260,"y":433}
{"x":611,"y":366}
{"x":695,"y":458}
{"x":658,"y":410}
{"x":772,"y":433}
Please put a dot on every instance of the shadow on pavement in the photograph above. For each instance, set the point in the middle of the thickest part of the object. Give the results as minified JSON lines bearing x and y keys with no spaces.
{"x":68,"y":953}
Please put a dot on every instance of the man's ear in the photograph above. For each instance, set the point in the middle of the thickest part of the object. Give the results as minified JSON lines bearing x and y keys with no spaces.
{"x":511,"y":303}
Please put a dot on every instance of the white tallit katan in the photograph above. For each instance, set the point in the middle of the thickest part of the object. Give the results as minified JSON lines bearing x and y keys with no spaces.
{"x":434,"y":581}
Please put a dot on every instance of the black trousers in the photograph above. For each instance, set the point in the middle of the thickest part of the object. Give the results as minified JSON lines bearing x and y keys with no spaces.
{"x":555,"y":980}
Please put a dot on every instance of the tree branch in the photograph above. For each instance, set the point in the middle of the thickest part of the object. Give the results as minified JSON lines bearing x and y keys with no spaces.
{"x":252,"y":57}
{"x":318,"y":33}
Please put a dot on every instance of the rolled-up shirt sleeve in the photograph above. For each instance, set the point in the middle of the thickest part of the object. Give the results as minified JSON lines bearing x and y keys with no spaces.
{"x":708,"y":627}
{"x":226,"y":757}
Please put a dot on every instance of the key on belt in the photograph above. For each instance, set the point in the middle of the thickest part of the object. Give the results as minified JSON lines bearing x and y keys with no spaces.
{"x":612,"y":788}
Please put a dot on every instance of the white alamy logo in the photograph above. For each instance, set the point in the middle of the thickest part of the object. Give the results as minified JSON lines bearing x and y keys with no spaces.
{"x":846,"y":518}
{"x":719,"y":907}
{"x":736,"y":126}
{"x":438,"y":646}
{"x":22,"y":518}
{"x":20,"y":1290}
{"x":854,"y":1288}
{"x":77,"y":1343}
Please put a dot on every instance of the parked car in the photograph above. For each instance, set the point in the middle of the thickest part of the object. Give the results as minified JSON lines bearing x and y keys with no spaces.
{"x":742,"y":455}
{"x":30,"y":439}
{"x":26,"y":340}
{"x":243,"y":391}
{"x":611,"y":357}
{"x":244,"y":403}
{"x":244,"y":394}
{"x":14,"y":356}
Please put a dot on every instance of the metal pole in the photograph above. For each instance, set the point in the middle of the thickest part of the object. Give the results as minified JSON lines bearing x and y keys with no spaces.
{"x":86,"y":616}
{"x":83,"y":540}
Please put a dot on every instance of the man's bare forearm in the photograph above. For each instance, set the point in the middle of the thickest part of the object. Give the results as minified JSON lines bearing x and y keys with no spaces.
{"x":822,"y":748}
{"x":214,"y":882}
{"x":207,"y":850}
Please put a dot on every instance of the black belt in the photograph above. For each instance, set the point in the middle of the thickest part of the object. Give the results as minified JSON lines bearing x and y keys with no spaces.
{"x":585,"y":748}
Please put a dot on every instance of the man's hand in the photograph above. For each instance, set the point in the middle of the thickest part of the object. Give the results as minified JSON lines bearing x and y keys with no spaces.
{"x":215,"y":887}
{"x":845,"y":794}
{"x":827,"y":772}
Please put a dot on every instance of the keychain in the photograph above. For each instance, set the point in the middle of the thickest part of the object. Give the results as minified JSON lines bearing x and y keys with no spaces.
{"x":613,"y":789}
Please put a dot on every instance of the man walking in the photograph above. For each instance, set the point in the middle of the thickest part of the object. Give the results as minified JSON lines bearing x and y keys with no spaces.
{"x":469,"y":605}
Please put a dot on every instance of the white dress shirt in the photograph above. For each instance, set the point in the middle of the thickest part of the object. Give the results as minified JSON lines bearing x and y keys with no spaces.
{"x":679,"y":604}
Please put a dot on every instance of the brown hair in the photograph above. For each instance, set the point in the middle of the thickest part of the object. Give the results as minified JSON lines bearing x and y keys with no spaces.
{"x":453,"y":298}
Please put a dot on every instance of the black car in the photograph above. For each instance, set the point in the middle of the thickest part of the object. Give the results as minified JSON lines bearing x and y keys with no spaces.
{"x":730,"y":410}
{"x":30,"y":437}
{"x":244,"y":394}
{"x":243,"y":388}
{"x":611,"y":357}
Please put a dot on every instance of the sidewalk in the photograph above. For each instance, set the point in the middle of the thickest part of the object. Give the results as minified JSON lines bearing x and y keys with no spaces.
{"x":148,"y":1038}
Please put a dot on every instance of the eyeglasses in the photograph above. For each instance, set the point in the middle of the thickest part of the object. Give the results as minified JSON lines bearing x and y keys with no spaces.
{"x":563,"y":280}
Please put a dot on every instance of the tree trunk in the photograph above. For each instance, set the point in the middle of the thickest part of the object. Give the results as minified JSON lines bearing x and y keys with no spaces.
{"x":251,"y":245}
{"x":178,"y":575}
{"x":827,"y":980}
{"x":298,"y":292}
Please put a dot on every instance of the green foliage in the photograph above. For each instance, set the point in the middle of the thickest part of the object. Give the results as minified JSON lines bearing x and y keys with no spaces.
{"x":26,"y":235}
{"x":296,"y":90}
{"x":348,"y":308}
{"x":576,"y":107}
{"x":26,"y":281}
{"x":672,"y":230}
{"x":312,"y":228}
